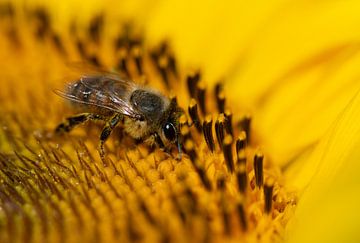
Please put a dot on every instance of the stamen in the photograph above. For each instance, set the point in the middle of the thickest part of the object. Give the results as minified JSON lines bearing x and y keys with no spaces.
{"x":94,"y":60}
{"x":240,"y":143}
{"x":242,"y":215}
{"x":162,"y":64}
{"x":172,"y":66}
{"x":192,"y":199}
{"x":190,"y":148}
{"x":268,"y":193}
{"x":136,"y":52}
{"x":220,"y":182}
{"x":220,"y":101}
{"x":183,"y":121}
{"x":43,"y":19}
{"x":193,"y":112}
{"x":56,"y":40}
{"x":208,"y":135}
{"x":220,"y":97}
{"x":241,"y":158}
{"x":7,"y":9}
{"x":221,"y":186}
{"x":241,"y":177}
{"x":258,"y":168}
{"x":244,"y":125}
{"x":192,"y":81}
{"x":95,"y":28}
{"x":173,"y":99}
{"x":228,"y":153}
{"x":121,"y":41}
{"x":228,"y":123}
{"x":185,"y":133}
{"x":201,"y":97}
{"x":219,"y":129}
{"x":218,"y":88}
{"x":81,"y":48}
{"x":122,"y":64}
{"x":226,"y":217}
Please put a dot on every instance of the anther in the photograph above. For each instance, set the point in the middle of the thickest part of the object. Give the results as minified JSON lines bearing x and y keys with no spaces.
{"x":190,"y":148}
{"x":185,"y":133}
{"x":228,"y":123}
{"x":244,"y":125}
{"x":81,"y":48}
{"x":121,"y":42}
{"x":241,"y":157}
{"x":122,"y":65}
{"x":241,"y":177}
{"x":56,"y":40}
{"x":192,"y":81}
{"x":94,"y":60}
{"x":173,"y":99}
{"x":240,"y":142}
{"x":172,"y":65}
{"x":208,"y":135}
{"x":6,"y":9}
{"x":220,"y":101}
{"x":162,"y":64}
{"x":226,"y":217}
{"x":258,"y":168}
{"x":95,"y":28}
{"x":220,"y":182}
{"x":220,"y":97}
{"x":136,"y":52}
{"x":242,"y":215}
{"x":227,"y":145}
{"x":268,"y":193}
{"x":43,"y":19}
{"x":219,"y":129}
{"x":193,"y":112}
{"x":163,"y":48}
{"x":218,"y":88}
{"x":183,"y":121}
{"x":201,"y":97}
{"x":192,"y":199}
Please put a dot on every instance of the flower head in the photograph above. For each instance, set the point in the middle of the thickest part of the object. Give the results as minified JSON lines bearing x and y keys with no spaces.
{"x":243,"y":152}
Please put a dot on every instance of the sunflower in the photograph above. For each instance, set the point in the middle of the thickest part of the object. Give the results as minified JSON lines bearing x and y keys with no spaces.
{"x":270,"y":131}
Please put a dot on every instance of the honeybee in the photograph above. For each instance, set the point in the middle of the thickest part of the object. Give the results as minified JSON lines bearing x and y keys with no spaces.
{"x":145,"y":113}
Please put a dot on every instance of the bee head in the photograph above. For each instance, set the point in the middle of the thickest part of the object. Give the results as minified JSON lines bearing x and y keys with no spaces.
{"x":170,"y":129}
{"x":170,"y":132}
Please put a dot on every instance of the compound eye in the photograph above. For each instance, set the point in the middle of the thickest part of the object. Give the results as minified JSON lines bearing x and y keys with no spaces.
{"x":169,"y":131}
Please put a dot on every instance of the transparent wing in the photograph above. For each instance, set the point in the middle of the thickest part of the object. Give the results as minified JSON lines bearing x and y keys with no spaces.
{"x":105,"y":91}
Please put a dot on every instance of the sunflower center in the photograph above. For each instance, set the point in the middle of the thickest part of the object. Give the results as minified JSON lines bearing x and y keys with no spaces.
{"x":52,"y":188}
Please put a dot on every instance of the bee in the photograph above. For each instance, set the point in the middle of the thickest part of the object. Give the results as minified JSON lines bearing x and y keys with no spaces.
{"x":145,"y":113}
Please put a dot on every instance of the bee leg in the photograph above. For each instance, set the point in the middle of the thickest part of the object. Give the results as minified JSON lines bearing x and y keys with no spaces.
{"x":107,"y":131}
{"x":72,"y":121}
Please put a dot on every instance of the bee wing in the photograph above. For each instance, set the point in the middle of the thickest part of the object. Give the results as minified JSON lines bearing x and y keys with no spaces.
{"x":76,"y":99}
{"x":109,"y":92}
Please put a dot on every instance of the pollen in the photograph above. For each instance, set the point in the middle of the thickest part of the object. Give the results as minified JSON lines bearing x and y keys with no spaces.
{"x":56,"y":188}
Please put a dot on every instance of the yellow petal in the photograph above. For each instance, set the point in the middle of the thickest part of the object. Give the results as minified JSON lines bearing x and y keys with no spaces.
{"x":209,"y":34}
{"x":303,"y":71}
{"x":328,"y":209}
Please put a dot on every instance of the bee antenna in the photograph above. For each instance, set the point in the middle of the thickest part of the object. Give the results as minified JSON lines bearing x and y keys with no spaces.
{"x":179,"y":149}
